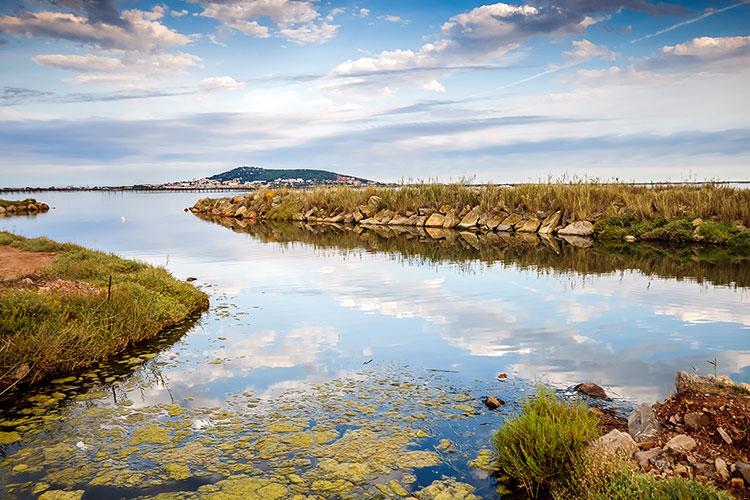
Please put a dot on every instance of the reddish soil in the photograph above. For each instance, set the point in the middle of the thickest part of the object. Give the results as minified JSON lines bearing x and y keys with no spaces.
{"x":16,"y":263}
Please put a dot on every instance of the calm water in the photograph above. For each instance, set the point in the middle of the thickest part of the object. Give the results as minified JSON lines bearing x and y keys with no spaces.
{"x":289,"y":316}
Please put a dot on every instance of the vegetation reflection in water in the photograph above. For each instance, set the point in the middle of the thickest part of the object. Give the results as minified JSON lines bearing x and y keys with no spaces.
{"x":382,"y":431}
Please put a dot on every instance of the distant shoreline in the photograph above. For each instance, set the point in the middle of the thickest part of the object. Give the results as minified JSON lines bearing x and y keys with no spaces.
{"x":254,"y":188}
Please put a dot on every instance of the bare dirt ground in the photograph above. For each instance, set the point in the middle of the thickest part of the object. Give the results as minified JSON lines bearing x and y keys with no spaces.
{"x":16,"y":263}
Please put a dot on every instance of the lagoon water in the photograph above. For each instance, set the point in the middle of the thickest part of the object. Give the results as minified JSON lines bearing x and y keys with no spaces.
{"x":294,"y":314}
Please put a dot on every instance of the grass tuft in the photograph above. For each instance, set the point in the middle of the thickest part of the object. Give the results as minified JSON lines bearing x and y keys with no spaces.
{"x":539,"y":448}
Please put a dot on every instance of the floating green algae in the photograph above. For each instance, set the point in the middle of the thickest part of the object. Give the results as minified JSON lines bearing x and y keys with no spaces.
{"x":9,"y":437}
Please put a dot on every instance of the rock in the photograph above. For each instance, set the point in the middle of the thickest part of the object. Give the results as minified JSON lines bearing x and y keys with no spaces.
{"x":2,"y":211}
{"x":630,"y":238}
{"x":435,"y":220}
{"x":681,"y":443}
{"x":444,"y":209}
{"x":190,"y":279}
{"x":591,"y":390}
{"x":697,"y":222}
{"x":494,"y":220}
{"x":530,"y":226}
{"x":550,"y":223}
{"x":502,"y":375}
{"x":578,"y":241}
{"x":425,"y":212}
{"x":509,"y":222}
{"x":722,"y":471}
{"x":471,"y":219}
{"x":578,"y":228}
{"x":724,"y":435}
{"x":644,"y":457}
{"x":696,"y":420}
{"x":398,"y":220}
{"x":737,"y":483}
{"x":358,"y":215}
{"x":240,"y":211}
{"x":470,"y":238}
{"x":682,"y":470}
{"x":493,"y":403}
{"x":617,"y":442}
{"x":744,"y":470}
{"x":642,"y":423}
{"x":27,"y":281}
{"x":451,"y":219}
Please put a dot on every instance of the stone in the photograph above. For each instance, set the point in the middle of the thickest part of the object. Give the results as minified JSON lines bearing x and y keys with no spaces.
{"x":696,"y":420}
{"x":617,"y":442}
{"x":681,"y":443}
{"x":722,"y":471}
{"x":241,"y":211}
{"x":682,"y":470}
{"x":494,"y":220}
{"x":642,"y":423}
{"x":737,"y":483}
{"x":578,"y":241}
{"x":435,"y":220}
{"x":743,"y":469}
{"x":644,"y":457}
{"x":697,"y":222}
{"x":444,"y":209}
{"x":493,"y":403}
{"x":529,"y":226}
{"x":630,"y":238}
{"x":358,"y":215}
{"x":2,"y":211}
{"x":509,"y":222}
{"x":591,"y":390}
{"x":425,"y":212}
{"x":578,"y":228}
{"x":724,"y":435}
{"x":398,"y":220}
{"x":550,"y":223}
{"x":470,"y":219}
{"x":451,"y":219}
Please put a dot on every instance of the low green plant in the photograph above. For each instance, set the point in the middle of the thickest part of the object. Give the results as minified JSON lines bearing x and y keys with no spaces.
{"x":716,"y":232}
{"x":75,"y":325}
{"x":539,"y":448}
{"x":740,"y":243}
{"x":673,"y":231}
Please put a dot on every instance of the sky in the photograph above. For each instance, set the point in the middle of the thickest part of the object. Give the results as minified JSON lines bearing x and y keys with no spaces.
{"x":112,"y":92}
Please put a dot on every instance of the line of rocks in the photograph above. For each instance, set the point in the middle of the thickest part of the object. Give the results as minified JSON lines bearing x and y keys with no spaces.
{"x":22,"y":208}
{"x":374,"y":213}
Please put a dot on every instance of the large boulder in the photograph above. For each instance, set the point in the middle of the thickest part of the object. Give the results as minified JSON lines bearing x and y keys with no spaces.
{"x":550,"y":223}
{"x":642,"y":423}
{"x":492,"y":221}
{"x":529,"y":226}
{"x":578,"y":228}
{"x":451,"y":219}
{"x":435,"y":220}
{"x":471,"y":219}
{"x":509,"y":222}
{"x":399,"y":220}
{"x":591,"y":390}
{"x":240,"y":212}
{"x":681,"y":443}
{"x":617,"y":442}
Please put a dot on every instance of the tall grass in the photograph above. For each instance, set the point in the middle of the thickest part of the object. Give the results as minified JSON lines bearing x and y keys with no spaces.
{"x":579,"y":200}
{"x":540,"y":447}
{"x":61,"y":331}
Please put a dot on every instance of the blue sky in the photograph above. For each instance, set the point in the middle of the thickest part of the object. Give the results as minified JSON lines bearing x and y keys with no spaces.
{"x":108,"y":92}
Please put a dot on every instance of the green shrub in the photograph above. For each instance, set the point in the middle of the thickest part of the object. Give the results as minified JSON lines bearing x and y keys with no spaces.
{"x":740,"y":243}
{"x":716,"y":232}
{"x":629,"y":484}
{"x":540,"y":447}
{"x":674,"y":231}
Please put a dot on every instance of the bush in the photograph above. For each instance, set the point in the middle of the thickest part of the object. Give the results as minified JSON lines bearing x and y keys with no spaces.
{"x":674,"y":231}
{"x":740,"y":243}
{"x":716,"y":232}
{"x":539,"y":448}
{"x":630,"y":484}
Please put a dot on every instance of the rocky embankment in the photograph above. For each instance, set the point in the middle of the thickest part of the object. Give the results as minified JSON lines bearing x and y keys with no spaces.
{"x":474,"y":219}
{"x":22,"y":207}
{"x":702,"y":431}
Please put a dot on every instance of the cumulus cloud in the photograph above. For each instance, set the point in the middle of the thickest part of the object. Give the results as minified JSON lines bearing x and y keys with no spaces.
{"x":393,"y":19}
{"x":220,"y":84}
{"x":142,"y":30}
{"x":707,"y":47}
{"x":296,"y":20}
{"x":83,"y":63}
{"x":584,"y":50}
{"x":363,"y":12}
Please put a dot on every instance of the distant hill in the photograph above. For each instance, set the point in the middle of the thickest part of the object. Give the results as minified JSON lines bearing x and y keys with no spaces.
{"x":250,"y":174}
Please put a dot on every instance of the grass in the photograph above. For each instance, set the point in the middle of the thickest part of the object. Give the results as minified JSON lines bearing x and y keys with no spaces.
{"x":16,"y":203}
{"x":546,"y":450}
{"x":539,"y":448}
{"x":579,"y":200}
{"x":59,"y":332}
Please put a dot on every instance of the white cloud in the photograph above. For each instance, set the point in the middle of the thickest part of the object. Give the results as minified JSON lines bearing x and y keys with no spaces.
{"x":363,"y":12}
{"x":434,"y":86}
{"x":585,"y":50}
{"x":393,"y":19}
{"x":136,"y":64}
{"x":179,"y":13}
{"x":220,"y":83}
{"x":707,"y":47}
{"x":296,"y":20}
{"x":142,"y":30}
{"x":84,"y":63}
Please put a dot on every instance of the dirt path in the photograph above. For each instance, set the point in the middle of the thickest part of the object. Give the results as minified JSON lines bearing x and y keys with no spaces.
{"x":16,"y":263}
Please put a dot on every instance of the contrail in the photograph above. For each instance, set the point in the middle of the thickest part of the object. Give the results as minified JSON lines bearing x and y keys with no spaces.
{"x":690,"y":21}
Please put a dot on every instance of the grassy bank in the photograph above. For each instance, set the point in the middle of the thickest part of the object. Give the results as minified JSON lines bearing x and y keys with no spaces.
{"x":27,"y":206}
{"x":708,"y":214}
{"x":549,"y":451}
{"x":61,"y":318}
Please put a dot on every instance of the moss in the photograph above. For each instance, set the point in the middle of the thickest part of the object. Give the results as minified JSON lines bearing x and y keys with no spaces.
{"x":674,"y":231}
{"x":740,"y":243}
{"x":9,"y":437}
{"x":178,"y":472}
{"x":61,"y":495}
{"x":484,"y":461}
{"x":715,"y":232}
{"x":447,"y":489}
{"x":629,"y":484}
{"x":151,"y":434}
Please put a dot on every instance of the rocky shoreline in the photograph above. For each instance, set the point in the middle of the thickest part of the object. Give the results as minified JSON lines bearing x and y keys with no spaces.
{"x":700,"y":432}
{"x":474,"y":219}
{"x":28,"y":206}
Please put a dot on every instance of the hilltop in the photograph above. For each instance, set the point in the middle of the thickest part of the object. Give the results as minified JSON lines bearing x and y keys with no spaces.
{"x":245,"y":174}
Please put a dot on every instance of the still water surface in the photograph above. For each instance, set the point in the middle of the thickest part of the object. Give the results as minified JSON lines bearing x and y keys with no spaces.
{"x":291,"y":316}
